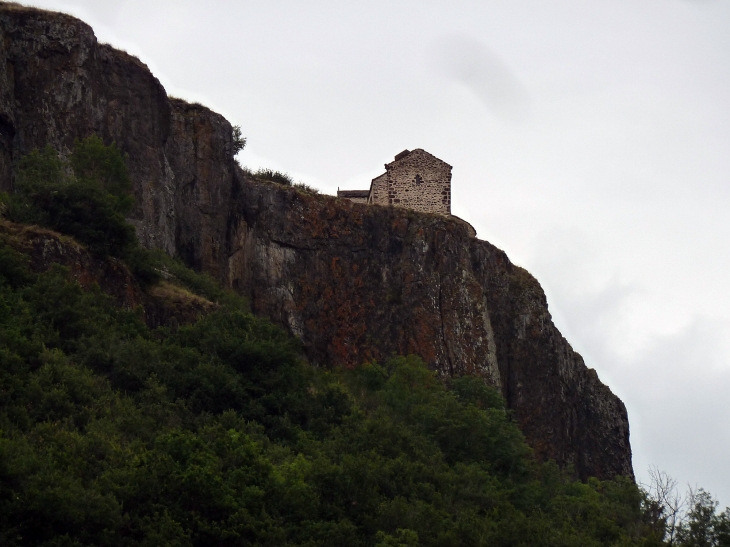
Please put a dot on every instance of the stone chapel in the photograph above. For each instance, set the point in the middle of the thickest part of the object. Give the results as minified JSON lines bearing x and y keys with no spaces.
{"x":414,"y":180}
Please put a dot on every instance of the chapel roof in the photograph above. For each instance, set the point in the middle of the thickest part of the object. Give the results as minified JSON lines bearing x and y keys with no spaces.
{"x":418,"y":151}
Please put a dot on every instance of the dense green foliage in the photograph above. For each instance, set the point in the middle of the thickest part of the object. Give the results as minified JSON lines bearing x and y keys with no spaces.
{"x":218,"y":433}
{"x":86,"y":197}
{"x":90,"y":205}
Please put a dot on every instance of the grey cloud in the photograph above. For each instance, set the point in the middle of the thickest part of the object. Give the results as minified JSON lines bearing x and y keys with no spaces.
{"x":675,"y":385}
{"x":474,"y":65}
{"x":679,"y":391}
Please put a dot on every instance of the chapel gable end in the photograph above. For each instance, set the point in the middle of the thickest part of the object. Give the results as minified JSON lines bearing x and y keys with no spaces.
{"x":420,"y":181}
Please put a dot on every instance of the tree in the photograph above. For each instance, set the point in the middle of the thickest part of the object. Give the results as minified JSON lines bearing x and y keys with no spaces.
{"x":698,"y":530}
{"x":90,"y":205}
{"x":95,"y":164}
{"x":667,"y":503}
{"x":239,"y":141}
{"x":722,"y":528}
{"x":688,"y":520}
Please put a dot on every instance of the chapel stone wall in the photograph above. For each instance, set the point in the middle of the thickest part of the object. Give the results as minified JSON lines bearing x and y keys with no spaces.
{"x":414,"y":180}
{"x":419,"y":181}
{"x":379,"y":190}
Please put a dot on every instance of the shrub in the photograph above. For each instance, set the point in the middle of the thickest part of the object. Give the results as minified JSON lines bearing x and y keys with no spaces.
{"x":274,"y":176}
{"x":173,"y":269}
{"x":239,"y":141}
{"x":95,"y":164}
{"x":89,"y":205}
{"x":306,"y":188}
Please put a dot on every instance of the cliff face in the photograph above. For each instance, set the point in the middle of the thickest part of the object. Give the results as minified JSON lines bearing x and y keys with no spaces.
{"x":358,"y":282}
{"x":353,"y":282}
{"x":57,"y":84}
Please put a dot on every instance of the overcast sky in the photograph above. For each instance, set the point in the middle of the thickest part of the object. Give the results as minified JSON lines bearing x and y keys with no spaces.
{"x":590,"y":140}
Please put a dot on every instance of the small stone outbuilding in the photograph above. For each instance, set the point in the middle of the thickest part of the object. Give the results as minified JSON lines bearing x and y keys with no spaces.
{"x":414,"y":180}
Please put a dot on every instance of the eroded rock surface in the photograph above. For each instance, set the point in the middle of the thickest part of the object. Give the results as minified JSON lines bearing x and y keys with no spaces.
{"x":360,"y":282}
{"x":354,"y":282}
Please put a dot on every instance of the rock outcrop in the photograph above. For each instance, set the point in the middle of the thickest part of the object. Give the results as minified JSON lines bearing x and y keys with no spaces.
{"x":44,"y":248}
{"x":354,"y":282}
{"x":166,"y":304}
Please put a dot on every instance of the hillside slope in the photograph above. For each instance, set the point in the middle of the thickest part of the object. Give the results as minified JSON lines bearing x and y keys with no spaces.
{"x":216,"y":432}
{"x":353,"y":282}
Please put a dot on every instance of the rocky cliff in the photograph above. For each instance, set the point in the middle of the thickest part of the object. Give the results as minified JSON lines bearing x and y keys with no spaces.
{"x":354,"y":282}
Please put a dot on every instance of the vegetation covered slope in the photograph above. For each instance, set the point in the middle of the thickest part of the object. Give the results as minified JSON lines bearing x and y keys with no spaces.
{"x":218,"y":433}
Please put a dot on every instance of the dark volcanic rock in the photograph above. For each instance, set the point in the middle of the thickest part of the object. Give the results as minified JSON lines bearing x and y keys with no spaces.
{"x":57,"y":84}
{"x":358,"y":282}
{"x":353,"y":282}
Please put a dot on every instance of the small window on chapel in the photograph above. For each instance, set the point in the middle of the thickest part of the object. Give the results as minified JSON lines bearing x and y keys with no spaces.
{"x":418,"y":180}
